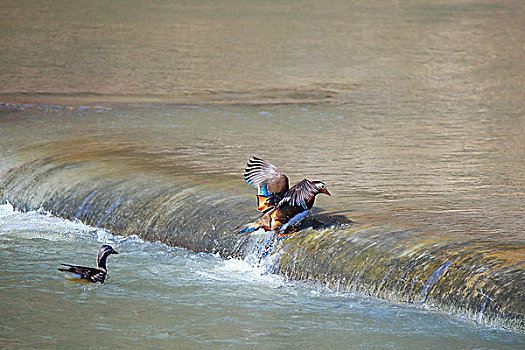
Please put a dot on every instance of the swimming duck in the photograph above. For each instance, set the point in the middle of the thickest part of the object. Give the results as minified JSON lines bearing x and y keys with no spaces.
{"x":90,"y":274}
{"x":280,"y":213}
{"x":271,"y":183}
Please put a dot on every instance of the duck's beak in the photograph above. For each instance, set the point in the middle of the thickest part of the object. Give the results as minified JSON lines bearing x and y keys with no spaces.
{"x":326,"y":191}
{"x":115,"y":252}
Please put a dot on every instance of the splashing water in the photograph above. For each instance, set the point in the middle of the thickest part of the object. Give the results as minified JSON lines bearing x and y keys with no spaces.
{"x":157,"y":295}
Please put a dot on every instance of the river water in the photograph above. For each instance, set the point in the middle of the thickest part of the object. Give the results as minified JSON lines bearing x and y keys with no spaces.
{"x":137,"y":120}
{"x":162,"y":297}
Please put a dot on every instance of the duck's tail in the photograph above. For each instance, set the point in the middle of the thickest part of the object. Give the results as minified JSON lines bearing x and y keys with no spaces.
{"x":71,"y":268}
{"x":243,"y":230}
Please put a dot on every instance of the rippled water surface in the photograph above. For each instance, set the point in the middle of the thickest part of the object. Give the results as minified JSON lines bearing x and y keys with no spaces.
{"x":447,"y":175}
{"x":160,"y":297}
{"x":416,"y":108}
{"x":411,"y":112}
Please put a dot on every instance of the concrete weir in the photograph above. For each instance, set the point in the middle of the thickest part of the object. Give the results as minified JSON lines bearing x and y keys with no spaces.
{"x":479,"y":280}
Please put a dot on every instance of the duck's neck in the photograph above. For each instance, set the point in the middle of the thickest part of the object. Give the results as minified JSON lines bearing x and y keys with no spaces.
{"x":101,"y":261}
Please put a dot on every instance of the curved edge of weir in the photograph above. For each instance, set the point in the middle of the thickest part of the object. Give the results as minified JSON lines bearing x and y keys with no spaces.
{"x":473,"y":279}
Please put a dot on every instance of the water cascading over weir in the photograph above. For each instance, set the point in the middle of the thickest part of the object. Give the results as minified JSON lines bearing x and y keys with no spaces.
{"x":104,"y":185}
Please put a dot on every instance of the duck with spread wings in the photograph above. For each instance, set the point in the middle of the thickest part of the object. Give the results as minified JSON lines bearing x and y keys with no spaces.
{"x":282,"y":207}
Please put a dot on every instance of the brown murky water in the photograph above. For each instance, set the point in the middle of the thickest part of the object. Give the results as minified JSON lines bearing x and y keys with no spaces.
{"x":411,"y":112}
{"x":424,"y":57}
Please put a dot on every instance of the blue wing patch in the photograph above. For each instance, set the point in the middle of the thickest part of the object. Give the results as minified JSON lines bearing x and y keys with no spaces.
{"x":263,"y":191}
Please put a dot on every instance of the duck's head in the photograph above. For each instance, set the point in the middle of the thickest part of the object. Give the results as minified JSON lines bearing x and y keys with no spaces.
{"x":105,"y":251}
{"x":321,"y":187}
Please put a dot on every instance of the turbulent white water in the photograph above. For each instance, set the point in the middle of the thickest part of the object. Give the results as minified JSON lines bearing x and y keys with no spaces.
{"x":159,"y":296}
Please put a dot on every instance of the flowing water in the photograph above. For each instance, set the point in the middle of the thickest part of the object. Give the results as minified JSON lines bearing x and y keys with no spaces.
{"x":137,"y":119}
{"x":162,"y":297}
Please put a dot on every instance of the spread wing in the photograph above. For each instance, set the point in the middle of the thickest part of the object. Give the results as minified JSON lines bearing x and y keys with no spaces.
{"x":300,"y":195}
{"x":268,"y":180}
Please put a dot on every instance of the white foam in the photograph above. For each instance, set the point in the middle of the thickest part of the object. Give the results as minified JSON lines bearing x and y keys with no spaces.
{"x":6,"y":210}
{"x":43,"y":224}
{"x":235,"y":270}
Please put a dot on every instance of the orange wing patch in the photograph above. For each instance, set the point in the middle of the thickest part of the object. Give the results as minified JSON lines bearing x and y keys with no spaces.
{"x":261,"y":203}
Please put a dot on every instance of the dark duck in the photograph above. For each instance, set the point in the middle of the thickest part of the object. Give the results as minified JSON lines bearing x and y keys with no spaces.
{"x":90,"y":274}
{"x":281,"y":206}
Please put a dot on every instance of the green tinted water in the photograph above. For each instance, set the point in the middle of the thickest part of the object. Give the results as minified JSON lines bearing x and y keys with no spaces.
{"x":161,"y":297}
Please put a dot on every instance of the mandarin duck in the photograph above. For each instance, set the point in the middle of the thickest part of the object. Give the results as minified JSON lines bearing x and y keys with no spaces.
{"x":90,"y":274}
{"x":271,"y":183}
{"x":280,"y":209}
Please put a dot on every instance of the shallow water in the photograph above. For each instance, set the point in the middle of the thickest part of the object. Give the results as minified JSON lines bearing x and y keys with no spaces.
{"x":449,"y":176}
{"x":140,"y":118}
{"x":159,"y":297}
